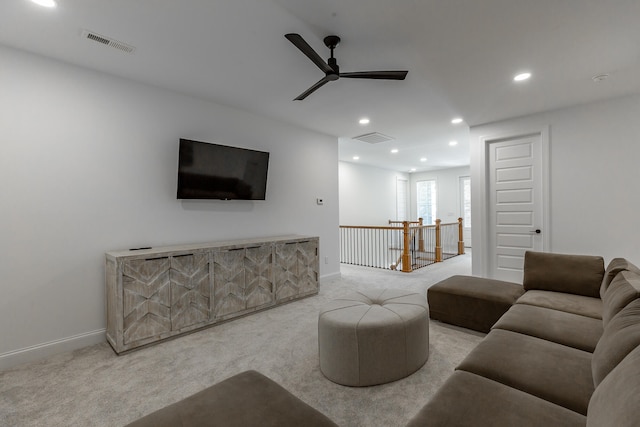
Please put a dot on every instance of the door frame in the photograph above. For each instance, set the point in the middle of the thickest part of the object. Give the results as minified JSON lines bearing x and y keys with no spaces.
{"x":480,"y":203}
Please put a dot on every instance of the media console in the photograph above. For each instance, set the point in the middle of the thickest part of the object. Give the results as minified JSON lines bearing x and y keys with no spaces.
{"x":158,"y":293}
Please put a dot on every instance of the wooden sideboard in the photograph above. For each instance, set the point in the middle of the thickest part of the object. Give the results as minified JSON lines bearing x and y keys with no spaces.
{"x":158,"y":293}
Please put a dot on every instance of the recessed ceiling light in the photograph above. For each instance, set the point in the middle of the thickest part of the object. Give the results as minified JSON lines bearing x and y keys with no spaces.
{"x":423,"y":159}
{"x":456,"y":121}
{"x":356,"y":158}
{"x":453,"y":143}
{"x":412,"y":170}
{"x":394,"y":151}
{"x":522,"y":77}
{"x":364,"y":121}
{"x":45,"y":3}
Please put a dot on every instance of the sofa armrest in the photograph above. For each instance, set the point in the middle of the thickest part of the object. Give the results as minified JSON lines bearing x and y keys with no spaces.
{"x":574,"y":274}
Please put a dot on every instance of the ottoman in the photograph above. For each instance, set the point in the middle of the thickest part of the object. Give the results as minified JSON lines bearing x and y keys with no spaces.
{"x":373,"y":337}
{"x":472,"y":302}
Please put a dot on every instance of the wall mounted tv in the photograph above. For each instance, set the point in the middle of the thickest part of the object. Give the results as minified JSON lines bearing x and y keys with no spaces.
{"x":212,"y":171}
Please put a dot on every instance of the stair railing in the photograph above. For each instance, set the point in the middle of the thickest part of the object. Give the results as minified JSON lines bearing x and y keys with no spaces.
{"x":403,"y":245}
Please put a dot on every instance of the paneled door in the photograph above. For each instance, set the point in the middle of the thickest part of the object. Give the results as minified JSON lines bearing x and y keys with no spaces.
{"x":515,"y":204}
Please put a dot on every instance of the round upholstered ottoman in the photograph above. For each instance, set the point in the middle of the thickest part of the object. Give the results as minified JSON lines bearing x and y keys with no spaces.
{"x":373,"y":337}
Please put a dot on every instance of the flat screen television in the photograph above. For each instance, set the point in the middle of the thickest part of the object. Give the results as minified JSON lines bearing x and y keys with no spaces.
{"x":212,"y":171}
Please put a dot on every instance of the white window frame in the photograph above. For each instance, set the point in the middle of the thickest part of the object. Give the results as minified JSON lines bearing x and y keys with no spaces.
{"x":402,"y":199}
{"x":465,"y":204}
{"x":429,"y":218}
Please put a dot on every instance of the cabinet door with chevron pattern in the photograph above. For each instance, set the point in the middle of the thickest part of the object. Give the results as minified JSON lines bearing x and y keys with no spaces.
{"x":190,"y":290}
{"x":258,"y":289}
{"x":146,"y":299}
{"x":228,"y":277}
{"x":286,"y":274}
{"x":308,"y":266}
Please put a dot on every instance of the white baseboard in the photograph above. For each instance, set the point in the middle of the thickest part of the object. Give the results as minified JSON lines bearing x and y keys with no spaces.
{"x":40,"y":351}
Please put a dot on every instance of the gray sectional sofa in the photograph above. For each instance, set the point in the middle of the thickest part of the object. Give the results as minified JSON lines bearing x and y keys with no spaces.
{"x":565,"y":354}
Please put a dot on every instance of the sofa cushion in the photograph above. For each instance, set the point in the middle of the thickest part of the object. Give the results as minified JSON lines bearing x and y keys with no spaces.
{"x":467,"y":399}
{"x":550,"y":371}
{"x":576,"y":304}
{"x":616,"y":401}
{"x":246,"y":399}
{"x":570,"y":329}
{"x":471,"y":302}
{"x":616,"y":266}
{"x":620,"y":337}
{"x":574,"y":274}
{"x":622,"y":290}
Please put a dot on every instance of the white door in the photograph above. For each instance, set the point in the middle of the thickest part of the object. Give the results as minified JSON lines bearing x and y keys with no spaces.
{"x":515,"y":204}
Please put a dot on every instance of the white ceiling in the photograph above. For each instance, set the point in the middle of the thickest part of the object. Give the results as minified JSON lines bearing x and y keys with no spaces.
{"x":461,"y":56}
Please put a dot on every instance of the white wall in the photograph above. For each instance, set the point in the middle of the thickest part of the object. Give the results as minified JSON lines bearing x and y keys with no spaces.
{"x":594,"y":174}
{"x":367,"y":194}
{"x":447,"y":192}
{"x":88,"y":163}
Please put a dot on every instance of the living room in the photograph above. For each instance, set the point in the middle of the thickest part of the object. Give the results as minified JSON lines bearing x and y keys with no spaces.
{"x":88,"y":164}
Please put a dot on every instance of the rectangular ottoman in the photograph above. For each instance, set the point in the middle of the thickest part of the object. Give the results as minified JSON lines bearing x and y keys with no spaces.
{"x":246,"y":399}
{"x":471,"y":302}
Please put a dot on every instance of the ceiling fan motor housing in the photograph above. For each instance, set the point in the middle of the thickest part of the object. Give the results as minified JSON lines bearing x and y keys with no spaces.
{"x":331,"y":42}
{"x":333,"y":63}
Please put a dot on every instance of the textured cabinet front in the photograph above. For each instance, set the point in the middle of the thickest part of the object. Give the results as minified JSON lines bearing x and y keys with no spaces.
{"x":296,"y":268}
{"x":258,"y":276}
{"x":147,"y":299}
{"x":243,"y":279}
{"x":228,"y":273}
{"x":155,"y":294}
{"x":286,"y":273}
{"x":190,"y":290}
{"x":308,"y":266}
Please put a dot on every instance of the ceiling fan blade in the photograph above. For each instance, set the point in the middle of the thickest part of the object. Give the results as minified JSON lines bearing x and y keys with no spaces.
{"x":323,"y":81}
{"x":383,"y":75}
{"x":299,"y":42}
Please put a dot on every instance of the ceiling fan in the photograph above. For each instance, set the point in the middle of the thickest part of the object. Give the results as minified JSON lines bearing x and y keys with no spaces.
{"x":331,"y":68}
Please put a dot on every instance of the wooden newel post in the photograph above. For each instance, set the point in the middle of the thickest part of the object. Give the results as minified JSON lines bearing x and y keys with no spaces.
{"x":420,"y":236}
{"x":438,"y":242}
{"x":406,"y":256}
{"x":460,"y":238}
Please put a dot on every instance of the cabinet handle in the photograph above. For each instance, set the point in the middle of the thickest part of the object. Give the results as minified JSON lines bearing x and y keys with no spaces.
{"x":156,"y":258}
{"x":236,"y":249}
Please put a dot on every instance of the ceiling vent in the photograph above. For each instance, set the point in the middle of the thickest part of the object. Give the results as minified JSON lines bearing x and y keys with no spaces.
{"x":90,"y":35}
{"x":373,"y":138}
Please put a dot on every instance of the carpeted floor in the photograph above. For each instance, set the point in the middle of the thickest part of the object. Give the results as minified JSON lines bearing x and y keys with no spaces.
{"x":94,"y":387}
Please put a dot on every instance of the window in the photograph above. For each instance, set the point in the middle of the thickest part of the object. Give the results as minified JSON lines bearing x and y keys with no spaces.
{"x":465,"y":201}
{"x":426,"y":201}
{"x":401,"y":200}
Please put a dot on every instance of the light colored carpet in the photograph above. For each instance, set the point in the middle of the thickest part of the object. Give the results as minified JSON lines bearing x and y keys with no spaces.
{"x":94,"y":387}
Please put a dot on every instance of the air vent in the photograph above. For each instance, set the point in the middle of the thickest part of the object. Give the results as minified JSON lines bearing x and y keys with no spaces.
{"x":373,"y":138}
{"x":90,"y":35}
